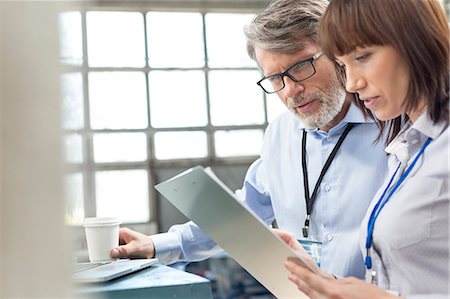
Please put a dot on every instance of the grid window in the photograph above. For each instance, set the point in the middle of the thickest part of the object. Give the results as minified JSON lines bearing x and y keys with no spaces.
{"x":74,"y":198}
{"x":73,"y":145}
{"x":142,"y":93}
{"x":177,"y":98}
{"x":172,"y":45}
{"x":226,"y":44}
{"x":168,"y":144}
{"x":117,"y":100}
{"x":71,"y":45}
{"x":115,"y":39}
{"x":73,"y":101}
{"x":233,"y":100}
{"x":119,"y":147}
{"x":124,"y":193}
{"x":253,"y":138}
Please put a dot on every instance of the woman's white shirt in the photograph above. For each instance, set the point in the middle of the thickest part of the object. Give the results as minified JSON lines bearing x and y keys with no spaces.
{"x":410,"y":252}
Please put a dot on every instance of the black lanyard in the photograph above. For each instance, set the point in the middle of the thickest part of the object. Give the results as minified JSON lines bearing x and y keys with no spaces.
{"x":310,"y":199}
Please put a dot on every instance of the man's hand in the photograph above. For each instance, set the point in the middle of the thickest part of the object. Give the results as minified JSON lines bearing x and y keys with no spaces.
{"x":133,"y":245}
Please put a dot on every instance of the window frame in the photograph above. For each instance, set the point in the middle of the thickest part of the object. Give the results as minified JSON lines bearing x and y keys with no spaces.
{"x":89,"y":167}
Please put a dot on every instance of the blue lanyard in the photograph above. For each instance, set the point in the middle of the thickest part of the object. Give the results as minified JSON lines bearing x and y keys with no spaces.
{"x":382,"y":202}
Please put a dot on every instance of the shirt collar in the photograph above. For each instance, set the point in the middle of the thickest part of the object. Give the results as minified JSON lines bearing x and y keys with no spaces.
{"x":420,"y":130}
{"x":425,"y":125}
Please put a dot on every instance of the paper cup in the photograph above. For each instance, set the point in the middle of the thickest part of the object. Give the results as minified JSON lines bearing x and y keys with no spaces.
{"x":102,"y":234}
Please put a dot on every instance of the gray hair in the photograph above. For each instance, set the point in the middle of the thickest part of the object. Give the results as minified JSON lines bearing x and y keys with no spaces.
{"x":283,"y":24}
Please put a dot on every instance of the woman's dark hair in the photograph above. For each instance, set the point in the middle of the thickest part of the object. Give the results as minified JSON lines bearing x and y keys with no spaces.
{"x":417,"y":29}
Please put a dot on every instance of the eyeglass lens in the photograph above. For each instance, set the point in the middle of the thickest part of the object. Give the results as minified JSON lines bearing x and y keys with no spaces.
{"x":297,"y":72}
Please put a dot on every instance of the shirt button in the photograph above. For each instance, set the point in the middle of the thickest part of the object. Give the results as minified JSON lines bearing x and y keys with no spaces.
{"x":329,"y":237}
{"x":413,"y":132}
{"x":327,"y":187}
{"x":415,"y":141}
{"x":329,"y":138}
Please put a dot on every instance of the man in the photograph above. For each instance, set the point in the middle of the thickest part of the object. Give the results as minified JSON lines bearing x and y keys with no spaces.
{"x":283,"y":41}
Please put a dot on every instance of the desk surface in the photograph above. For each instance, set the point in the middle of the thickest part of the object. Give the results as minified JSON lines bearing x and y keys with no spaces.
{"x":156,"y":282}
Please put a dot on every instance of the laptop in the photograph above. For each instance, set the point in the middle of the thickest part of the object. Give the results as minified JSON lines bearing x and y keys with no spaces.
{"x":106,"y":271}
{"x":205,"y":200}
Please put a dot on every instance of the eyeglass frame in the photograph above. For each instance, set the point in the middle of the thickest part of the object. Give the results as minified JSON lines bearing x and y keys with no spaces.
{"x":287,"y":74}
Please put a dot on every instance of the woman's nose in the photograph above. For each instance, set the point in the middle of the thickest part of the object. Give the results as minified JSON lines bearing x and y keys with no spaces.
{"x":353,"y":81}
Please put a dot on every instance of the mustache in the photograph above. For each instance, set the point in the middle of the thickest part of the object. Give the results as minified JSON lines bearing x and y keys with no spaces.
{"x":303,"y":99}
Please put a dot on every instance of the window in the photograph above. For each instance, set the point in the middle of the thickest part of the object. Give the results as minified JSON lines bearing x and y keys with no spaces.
{"x":144,"y":90}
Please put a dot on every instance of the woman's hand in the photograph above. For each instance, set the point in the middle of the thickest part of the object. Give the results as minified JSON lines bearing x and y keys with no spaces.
{"x":290,"y":240}
{"x":320,"y":287}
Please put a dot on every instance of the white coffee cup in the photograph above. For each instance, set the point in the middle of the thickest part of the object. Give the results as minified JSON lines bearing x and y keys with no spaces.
{"x":102,"y":235}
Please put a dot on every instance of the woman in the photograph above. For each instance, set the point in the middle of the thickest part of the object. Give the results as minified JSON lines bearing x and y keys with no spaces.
{"x":396,"y":57}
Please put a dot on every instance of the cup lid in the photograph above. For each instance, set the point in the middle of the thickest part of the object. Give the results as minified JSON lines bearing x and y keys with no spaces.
{"x":101,"y":221}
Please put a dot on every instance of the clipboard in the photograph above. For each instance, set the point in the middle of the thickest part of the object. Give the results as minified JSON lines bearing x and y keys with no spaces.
{"x":210,"y":204}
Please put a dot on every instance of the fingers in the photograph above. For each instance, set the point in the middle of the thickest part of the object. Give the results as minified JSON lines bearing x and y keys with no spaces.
{"x":306,"y":281}
{"x":121,"y":252}
{"x":133,"y":245}
{"x":305,"y":261}
{"x":303,"y":287}
{"x":125,"y":235}
{"x":288,"y":238}
{"x":285,"y":236}
{"x":115,"y":253}
{"x":294,"y":266}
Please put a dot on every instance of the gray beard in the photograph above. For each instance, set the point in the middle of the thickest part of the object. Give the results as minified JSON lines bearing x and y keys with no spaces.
{"x":331,"y":103}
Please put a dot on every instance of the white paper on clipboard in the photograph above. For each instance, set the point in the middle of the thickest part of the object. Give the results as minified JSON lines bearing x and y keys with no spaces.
{"x":209,"y":203}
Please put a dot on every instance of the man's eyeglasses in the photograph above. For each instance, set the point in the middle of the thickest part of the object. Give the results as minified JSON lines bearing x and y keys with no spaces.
{"x":297,"y":72}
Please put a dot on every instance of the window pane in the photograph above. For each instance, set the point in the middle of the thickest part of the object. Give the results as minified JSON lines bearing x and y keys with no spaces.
{"x":235,"y":98}
{"x":172,"y":45}
{"x":177,"y":98}
{"x":70,"y":38}
{"x":120,"y":147}
{"x":274,"y":106}
{"x":123,"y":194}
{"x":226,"y":45}
{"x":180,"y":145}
{"x":115,"y":39}
{"x":238,"y":143}
{"x":117,"y":100}
{"x":72,"y":97}
{"x":74,"y":199}
{"x":73,"y":148}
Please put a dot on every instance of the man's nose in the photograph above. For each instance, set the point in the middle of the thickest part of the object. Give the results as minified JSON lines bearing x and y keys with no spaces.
{"x":292,"y":88}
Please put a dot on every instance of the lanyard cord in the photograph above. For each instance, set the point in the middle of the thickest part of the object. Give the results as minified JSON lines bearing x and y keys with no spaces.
{"x":310,"y":200}
{"x":382,"y":202}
